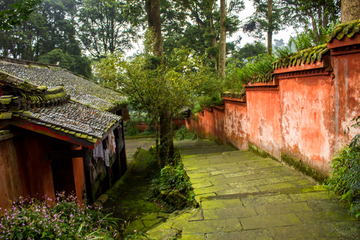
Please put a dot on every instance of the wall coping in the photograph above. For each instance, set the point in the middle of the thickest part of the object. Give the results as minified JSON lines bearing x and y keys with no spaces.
{"x":207,"y":109}
{"x":346,"y":41}
{"x":219,"y":108}
{"x":303,"y":67}
{"x":345,"y":46}
{"x":262,"y":88}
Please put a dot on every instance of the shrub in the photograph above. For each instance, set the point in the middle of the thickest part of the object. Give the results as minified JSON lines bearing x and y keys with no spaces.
{"x":183,"y":133}
{"x":172,"y":187}
{"x":33,"y":219}
{"x":131,"y":128}
{"x":345,"y":175}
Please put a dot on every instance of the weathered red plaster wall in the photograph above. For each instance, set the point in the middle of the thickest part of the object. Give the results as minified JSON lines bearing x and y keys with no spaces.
{"x":219,"y":121}
{"x":208,"y":124}
{"x":236,"y":124}
{"x":263,"y":110}
{"x":346,"y":96}
{"x":194,"y":124}
{"x":306,"y":114}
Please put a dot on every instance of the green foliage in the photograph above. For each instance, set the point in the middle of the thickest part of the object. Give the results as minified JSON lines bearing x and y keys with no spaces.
{"x":172,"y":187}
{"x":136,"y":236}
{"x":201,"y":34}
{"x":315,"y":16}
{"x":74,"y":63}
{"x":15,"y":13}
{"x":180,"y":83}
{"x":131,"y":128}
{"x":183,"y":133}
{"x":150,"y":130}
{"x":241,"y":56}
{"x":104,"y":26}
{"x":258,"y":69}
{"x":32,"y":219}
{"x":48,"y":34}
{"x":345,"y":175}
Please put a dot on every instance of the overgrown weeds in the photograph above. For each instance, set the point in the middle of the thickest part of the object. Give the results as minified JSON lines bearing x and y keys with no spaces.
{"x":345,"y":175}
{"x":172,"y":187}
{"x":183,"y":133}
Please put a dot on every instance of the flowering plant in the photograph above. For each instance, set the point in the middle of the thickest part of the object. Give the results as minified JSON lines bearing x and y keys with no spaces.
{"x":30,"y":218}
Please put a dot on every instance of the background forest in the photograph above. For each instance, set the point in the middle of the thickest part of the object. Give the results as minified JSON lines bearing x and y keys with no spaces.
{"x":76,"y":34}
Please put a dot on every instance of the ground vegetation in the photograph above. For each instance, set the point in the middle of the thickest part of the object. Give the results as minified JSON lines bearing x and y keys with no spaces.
{"x":345,"y":174}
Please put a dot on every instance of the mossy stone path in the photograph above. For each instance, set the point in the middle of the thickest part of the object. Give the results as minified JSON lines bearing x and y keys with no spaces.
{"x":244,"y":196}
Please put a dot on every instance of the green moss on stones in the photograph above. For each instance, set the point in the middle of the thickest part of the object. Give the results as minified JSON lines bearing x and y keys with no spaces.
{"x":302,"y":167}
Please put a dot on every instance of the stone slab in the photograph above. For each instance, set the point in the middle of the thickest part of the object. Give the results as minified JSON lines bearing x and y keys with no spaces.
{"x":210,"y":226}
{"x":262,"y":234}
{"x":221,"y":204}
{"x":260,"y":222}
{"x":305,"y":231}
{"x":263,"y":200}
{"x":283,"y":208}
{"x":229,"y":213}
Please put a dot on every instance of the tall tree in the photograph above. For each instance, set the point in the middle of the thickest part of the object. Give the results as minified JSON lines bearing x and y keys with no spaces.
{"x":202,"y":33}
{"x":154,"y":25}
{"x":270,"y":16}
{"x":350,"y":10}
{"x":14,"y":13}
{"x":222,"y":43}
{"x":104,"y":26}
{"x":315,"y":16}
{"x":51,"y":26}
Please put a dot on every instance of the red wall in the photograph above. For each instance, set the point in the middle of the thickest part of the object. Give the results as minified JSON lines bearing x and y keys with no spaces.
{"x":306,"y":114}
{"x":236,"y":124}
{"x":346,"y":95}
{"x":263,"y":112}
{"x":302,"y":114}
{"x":219,"y":131}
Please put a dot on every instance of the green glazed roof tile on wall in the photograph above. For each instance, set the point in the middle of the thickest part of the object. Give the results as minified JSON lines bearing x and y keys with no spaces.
{"x":348,"y":29}
{"x":234,"y":94}
{"x":306,"y":56}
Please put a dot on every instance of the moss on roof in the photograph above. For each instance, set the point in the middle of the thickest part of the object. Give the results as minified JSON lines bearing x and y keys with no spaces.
{"x":348,"y":29}
{"x":310,"y":55}
{"x":80,"y":89}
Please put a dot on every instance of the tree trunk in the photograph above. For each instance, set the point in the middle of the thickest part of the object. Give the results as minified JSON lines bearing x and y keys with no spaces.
{"x":213,"y":42}
{"x":166,"y":138}
{"x":270,"y":27}
{"x":154,"y":22}
{"x":222,"y":47}
{"x":350,"y":10}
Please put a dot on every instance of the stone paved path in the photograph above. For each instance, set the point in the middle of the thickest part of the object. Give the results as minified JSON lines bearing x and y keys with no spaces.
{"x":132,"y":143}
{"x":244,"y":196}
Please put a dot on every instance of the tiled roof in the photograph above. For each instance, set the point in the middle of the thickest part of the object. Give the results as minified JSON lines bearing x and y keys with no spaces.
{"x":348,"y":29}
{"x":302,"y":57}
{"x":72,"y":118}
{"x":52,"y":108}
{"x":79,"y":88}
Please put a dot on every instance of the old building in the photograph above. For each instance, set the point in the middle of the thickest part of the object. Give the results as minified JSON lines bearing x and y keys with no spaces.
{"x":59,"y":132}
